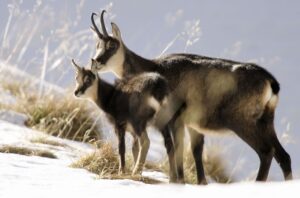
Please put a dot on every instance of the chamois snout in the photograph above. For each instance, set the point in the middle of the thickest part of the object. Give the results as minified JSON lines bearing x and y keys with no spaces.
{"x":77,"y":92}
{"x":96,"y":65}
{"x":80,"y":90}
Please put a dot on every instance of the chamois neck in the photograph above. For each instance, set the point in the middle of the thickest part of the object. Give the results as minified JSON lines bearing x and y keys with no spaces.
{"x":135,"y":63}
{"x":104,"y":93}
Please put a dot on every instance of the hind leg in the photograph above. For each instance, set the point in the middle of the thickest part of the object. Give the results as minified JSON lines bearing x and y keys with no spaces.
{"x":265,"y":154}
{"x":135,"y":148}
{"x":144,"y":143}
{"x":283,"y":158}
{"x":266,"y":124}
{"x":254,"y":136}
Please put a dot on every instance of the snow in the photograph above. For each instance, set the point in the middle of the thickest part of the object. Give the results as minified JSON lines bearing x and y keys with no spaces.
{"x":35,"y":177}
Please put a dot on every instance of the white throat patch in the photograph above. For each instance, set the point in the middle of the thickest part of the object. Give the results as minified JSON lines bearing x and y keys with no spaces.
{"x":114,"y":64}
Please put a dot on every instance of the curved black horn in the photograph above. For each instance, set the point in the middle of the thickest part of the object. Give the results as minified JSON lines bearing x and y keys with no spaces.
{"x":103,"y":24}
{"x":77,"y":66}
{"x":95,"y":27}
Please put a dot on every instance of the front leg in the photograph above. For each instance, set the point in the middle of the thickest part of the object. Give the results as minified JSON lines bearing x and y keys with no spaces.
{"x":173,"y":134}
{"x":144,"y":144}
{"x":179,"y":133}
{"x":120,"y":131}
{"x":170,"y":148}
{"x":197,"y":142}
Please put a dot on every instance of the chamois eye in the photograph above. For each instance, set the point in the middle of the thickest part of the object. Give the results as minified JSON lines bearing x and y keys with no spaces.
{"x":111,"y":45}
{"x":87,"y":80}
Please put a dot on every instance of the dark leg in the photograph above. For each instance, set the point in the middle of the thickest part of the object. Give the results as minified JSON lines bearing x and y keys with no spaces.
{"x":169,"y":144}
{"x":266,"y":124}
{"x":283,"y":159}
{"x":197,"y":142}
{"x":179,"y":147}
{"x":265,"y":154}
{"x":256,"y":137}
{"x":121,"y":147}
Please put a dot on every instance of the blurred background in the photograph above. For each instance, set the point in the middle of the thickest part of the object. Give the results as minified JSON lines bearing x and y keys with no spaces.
{"x":39,"y":38}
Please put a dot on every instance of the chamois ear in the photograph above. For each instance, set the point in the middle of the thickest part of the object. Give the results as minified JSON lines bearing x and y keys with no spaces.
{"x":116,"y":31}
{"x":93,"y":68}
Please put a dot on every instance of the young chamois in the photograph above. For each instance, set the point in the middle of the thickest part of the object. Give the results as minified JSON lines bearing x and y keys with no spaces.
{"x":218,"y":95}
{"x":130,"y":105}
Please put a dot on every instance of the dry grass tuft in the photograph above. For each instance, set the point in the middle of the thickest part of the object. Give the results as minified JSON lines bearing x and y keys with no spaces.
{"x":27,"y":151}
{"x":56,"y":114}
{"x":105,"y":163}
{"x":67,"y":118}
{"x":44,"y":140}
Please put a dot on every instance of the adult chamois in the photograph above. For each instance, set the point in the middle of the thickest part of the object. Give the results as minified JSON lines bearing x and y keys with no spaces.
{"x":219,"y":95}
{"x":130,"y":105}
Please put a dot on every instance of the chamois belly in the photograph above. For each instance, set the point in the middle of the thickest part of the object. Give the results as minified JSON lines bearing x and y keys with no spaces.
{"x":196,"y":117}
{"x":207,"y":131}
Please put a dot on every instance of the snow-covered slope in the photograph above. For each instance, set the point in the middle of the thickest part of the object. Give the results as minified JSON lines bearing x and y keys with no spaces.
{"x":24,"y":176}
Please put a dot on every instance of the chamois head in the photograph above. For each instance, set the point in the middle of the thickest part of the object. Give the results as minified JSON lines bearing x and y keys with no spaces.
{"x":86,"y":82}
{"x":109,"y":48}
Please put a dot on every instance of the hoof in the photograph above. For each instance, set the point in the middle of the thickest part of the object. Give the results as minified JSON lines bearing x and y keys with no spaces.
{"x":178,"y":181}
{"x":289,"y":177}
{"x":136,"y":172}
{"x":203,"y":182}
{"x":121,"y":172}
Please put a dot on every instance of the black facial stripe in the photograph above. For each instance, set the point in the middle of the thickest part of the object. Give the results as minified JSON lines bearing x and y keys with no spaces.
{"x":108,"y":53}
{"x":86,"y":74}
{"x":82,"y":89}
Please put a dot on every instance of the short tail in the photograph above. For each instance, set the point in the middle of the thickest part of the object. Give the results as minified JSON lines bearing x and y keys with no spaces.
{"x":272,"y":98}
{"x":275,"y":86}
{"x":160,"y":90}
